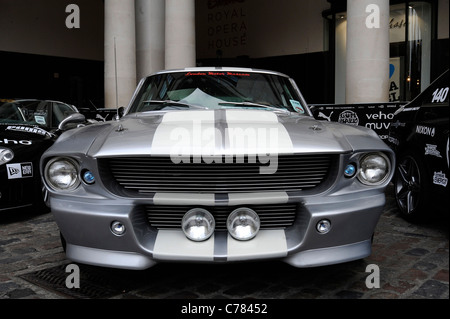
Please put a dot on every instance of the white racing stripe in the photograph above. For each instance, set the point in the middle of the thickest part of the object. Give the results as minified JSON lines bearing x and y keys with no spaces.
{"x":234,"y":199}
{"x":184,"y":199}
{"x":266,"y":244}
{"x":174,"y":245}
{"x":256,"y":132}
{"x":247,"y":132}
{"x":257,"y":198}
{"x":185,"y":133}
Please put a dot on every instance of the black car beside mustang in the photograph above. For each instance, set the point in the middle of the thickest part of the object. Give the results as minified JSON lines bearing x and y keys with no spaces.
{"x":419,"y":135}
{"x":27,"y":129}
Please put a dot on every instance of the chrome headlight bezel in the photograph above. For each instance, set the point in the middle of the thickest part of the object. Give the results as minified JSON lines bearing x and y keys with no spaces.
{"x":69,"y":168}
{"x":369,"y":164}
{"x":6,"y":155}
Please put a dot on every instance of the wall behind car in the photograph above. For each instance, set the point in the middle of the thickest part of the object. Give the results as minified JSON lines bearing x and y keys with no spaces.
{"x":259,"y":28}
{"x":285,"y":36}
{"x":39,"y":27}
{"x":74,"y":81}
{"x":40,"y":57}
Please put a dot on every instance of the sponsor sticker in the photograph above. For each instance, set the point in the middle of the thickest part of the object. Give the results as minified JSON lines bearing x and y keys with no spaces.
{"x":440,"y":95}
{"x":431,"y":149}
{"x":425,"y":130}
{"x":297,"y":106}
{"x":439,"y":178}
{"x":28,"y":129}
{"x":398,"y":124}
{"x":40,"y":119}
{"x":393,"y":140}
{"x":20,"y":170}
{"x":15,"y":142}
{"x":348,"y":117}
{"x":328,"y":118}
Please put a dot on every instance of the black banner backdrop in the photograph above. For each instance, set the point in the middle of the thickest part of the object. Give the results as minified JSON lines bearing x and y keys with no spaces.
{"x":376,"y":116}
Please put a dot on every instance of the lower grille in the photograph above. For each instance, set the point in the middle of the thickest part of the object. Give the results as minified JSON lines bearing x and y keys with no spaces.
{"x":277,"y":216}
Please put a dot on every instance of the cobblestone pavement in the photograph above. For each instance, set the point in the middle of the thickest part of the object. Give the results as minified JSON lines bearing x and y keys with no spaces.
{"x":413,"y":261}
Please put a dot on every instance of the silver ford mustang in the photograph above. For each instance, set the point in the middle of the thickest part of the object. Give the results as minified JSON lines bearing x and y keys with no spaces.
{"x":217,"y":165}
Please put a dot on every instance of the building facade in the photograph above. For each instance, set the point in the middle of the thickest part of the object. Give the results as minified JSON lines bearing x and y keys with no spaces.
{"x":93,"y":52}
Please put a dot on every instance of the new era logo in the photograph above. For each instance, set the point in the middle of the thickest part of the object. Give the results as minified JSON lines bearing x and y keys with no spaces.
{"x":16,"y":171}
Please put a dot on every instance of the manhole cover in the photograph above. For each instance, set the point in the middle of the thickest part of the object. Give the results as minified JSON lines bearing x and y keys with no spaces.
{"x":95,"y":282}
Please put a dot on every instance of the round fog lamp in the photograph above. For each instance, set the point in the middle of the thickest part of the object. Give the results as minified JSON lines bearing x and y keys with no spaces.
{"x":118,"y":228}
{"x":323,"y":226}
{"x":350,"y":170}
{"x":198,"y":224}
{"x":88,"y":177}
{"x":243,"y":223}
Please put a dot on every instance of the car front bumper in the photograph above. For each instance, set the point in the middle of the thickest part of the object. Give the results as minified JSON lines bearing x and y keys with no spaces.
{"x":86,"y":227}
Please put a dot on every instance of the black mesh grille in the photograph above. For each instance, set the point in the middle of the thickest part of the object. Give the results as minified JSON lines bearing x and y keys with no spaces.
{"x":271,"y":216}
{"x":142,"y":175}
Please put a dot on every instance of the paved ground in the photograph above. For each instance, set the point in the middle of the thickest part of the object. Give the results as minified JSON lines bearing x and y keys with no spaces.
{"x":413,"y":262}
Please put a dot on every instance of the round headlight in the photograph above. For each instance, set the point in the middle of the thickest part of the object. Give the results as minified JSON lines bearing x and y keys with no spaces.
{"x":243,"y":223}
{"x":62,"y":174}
{"x":374,"y":169}
{"x":198,"y":224}
{"x":6,"y":155}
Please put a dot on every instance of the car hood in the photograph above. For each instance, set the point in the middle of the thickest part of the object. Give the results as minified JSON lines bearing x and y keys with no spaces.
{"x":210,"y":132}
{"x":24,"y":138}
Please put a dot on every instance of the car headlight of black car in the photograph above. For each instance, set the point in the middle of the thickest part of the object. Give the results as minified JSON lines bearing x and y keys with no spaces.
{"x":375,"y":168}
{"x":6,"y":155}
{"x":62,"y":174}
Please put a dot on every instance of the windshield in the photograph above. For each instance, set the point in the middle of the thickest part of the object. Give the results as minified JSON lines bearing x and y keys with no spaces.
{"x":217,"y":90}
{"x":34,"y":112}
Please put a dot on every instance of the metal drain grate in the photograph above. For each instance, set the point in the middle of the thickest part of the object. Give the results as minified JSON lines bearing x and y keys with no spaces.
{"x":95,"y":282}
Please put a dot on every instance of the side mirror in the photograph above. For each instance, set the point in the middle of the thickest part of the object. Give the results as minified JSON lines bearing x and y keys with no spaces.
{"x":71,"y":121}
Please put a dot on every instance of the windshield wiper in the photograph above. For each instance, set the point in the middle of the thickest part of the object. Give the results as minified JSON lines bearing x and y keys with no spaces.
{"x":252,"y":104}
{"x":176,"y":103}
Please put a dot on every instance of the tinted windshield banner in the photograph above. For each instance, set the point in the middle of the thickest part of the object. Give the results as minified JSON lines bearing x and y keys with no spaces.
{"x":216,"y":74}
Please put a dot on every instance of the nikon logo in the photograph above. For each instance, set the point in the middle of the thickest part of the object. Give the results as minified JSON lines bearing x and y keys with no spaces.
{"x":425,"y":130}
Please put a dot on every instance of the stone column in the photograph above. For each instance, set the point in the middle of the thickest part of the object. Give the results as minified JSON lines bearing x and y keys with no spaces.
{"x":150,"y":37}
{"x":180,"y":34}
{"x":120,"y":52}
{"x":367,"y":62}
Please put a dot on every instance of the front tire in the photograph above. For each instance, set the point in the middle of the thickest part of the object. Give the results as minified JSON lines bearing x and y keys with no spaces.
{"x":411,"y":191}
